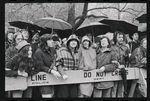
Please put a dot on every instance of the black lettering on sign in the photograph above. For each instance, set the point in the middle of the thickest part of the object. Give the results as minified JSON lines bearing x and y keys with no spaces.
{"x":87,"y":74}
{"x":100,"y":74}
{"x":38,"y":77}
{"x":127,"y":72}
{"x":44,"y":77}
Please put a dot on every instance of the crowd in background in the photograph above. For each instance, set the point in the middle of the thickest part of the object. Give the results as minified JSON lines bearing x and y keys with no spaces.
{"x":26,"y":55}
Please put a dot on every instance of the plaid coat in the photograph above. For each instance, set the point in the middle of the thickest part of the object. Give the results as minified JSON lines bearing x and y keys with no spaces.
{"x":67,"y":60}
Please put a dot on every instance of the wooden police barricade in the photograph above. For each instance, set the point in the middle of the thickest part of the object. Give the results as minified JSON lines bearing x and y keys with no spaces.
{"x":78,"y":76}
{"x":15,"y":83}
{"x":142,"y":81}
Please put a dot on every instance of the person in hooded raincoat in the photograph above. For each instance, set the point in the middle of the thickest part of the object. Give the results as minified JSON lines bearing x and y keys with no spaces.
{"x":68,"y":59}
{"x":87,"y":61}
{"x":106,"y":59}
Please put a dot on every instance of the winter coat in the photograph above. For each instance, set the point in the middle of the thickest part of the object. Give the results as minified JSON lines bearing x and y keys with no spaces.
{"x":9,"y":53}
{"x":12,"y":67}
{"x":122,"y":53}
{"x":105,"y":59}
{"x":46,"y":57}
{"x":136,"y":57}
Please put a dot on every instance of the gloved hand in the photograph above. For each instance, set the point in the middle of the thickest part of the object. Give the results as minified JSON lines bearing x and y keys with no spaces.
{"x":55,"y":73}
{"x":65,"y":77}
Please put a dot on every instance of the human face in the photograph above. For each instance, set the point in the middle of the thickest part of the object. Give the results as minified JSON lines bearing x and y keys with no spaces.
{"x":135,"y":36}
{"x":25,"y":34}
{"x":104,"y":42}
{"x":50,"y":43}
{"x":144,"y":44}
{"x":73,"y":43}
{"x":10,"y":36}
{"x":120,"y":39}
{"x":19,"y":38}
{"x":30,"y":52}
{"x":86,"y":44}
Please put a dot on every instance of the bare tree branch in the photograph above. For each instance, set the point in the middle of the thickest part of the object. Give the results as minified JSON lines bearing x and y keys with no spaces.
{"x":123,"y":7}
{"x":94,"y":16}
{"x":22,"y":7}
{"x":128,"y":9}
{"x":46,"y":10}
{"x":103,"y":8}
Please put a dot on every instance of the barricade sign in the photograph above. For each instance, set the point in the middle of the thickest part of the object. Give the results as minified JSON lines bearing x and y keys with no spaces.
{"x":80,"y":76}
{"x":77,"y":76}
{"x":15,"y":83}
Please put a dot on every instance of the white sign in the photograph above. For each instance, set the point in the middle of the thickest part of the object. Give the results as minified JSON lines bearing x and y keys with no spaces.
{"x":77,"y":76}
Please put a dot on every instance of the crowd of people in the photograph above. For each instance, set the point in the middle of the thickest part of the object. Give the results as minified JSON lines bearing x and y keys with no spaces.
{"x":27,"y":56}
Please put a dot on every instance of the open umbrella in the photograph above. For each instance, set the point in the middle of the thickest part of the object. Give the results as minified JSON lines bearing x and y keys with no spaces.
{"x":25,"y":25}
{"x":53,"y":23}
{"x":124,"y":26}
{"x":142,"y":18}
{"x":61,"y":33}
{"x":95,"y":28}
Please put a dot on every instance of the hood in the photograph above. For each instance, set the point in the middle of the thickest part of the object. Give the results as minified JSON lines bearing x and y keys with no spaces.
{"x":86,"y":38}
{"x":73,"y":37}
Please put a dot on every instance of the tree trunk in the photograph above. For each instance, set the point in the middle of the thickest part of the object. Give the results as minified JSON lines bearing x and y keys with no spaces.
{"x":71,"y":14}
{"x":84,"y":14}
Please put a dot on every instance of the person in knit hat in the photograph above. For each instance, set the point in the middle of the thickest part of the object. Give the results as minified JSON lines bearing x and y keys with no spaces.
{"x":23,"y":64}
{"x":67,"y":59}
{"x":46,"y":54}
{"x":87,"y":61}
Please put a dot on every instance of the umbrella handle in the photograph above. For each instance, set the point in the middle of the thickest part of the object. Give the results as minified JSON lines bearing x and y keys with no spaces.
{"x":93,"y":34}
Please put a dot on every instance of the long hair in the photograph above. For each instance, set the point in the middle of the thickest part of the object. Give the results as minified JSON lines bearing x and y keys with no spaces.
{"x":119,"y":33}
{"x":15,"y":36}
{"x":43,"y":41}
{"x":25,"y":63}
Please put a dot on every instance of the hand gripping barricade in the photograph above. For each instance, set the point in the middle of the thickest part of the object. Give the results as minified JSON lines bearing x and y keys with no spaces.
{"x":78,"y":76}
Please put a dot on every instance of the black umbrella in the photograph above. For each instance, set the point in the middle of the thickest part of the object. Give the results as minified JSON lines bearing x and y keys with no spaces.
{"x":142,"y":18}
{"x":25,"y":25}
{"x":95,"y":28}
{"x":124,"y":26}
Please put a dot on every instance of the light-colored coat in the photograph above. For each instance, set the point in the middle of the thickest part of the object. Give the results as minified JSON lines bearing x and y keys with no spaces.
{"x":87,"y":61}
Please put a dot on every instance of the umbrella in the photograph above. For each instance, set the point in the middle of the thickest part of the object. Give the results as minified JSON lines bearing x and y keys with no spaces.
{"x":25,"y":25}
{"x":61,"y":33}
{"x":142,"y":27}
{"x":53,"y":23}
{"x":142,"y":18}
{"x":124,"y":26}
{"x":95,"y":28}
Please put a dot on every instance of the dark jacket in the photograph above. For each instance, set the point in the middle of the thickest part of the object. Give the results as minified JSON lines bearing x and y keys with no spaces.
{"x":105,"y":59}
{"x":136,"y":57}
{"x":12,"y":67}
{"x":133,"y":45}
{"x":122,"y":53}
{"x":9,"y":53}
{"x":46,"y":57}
